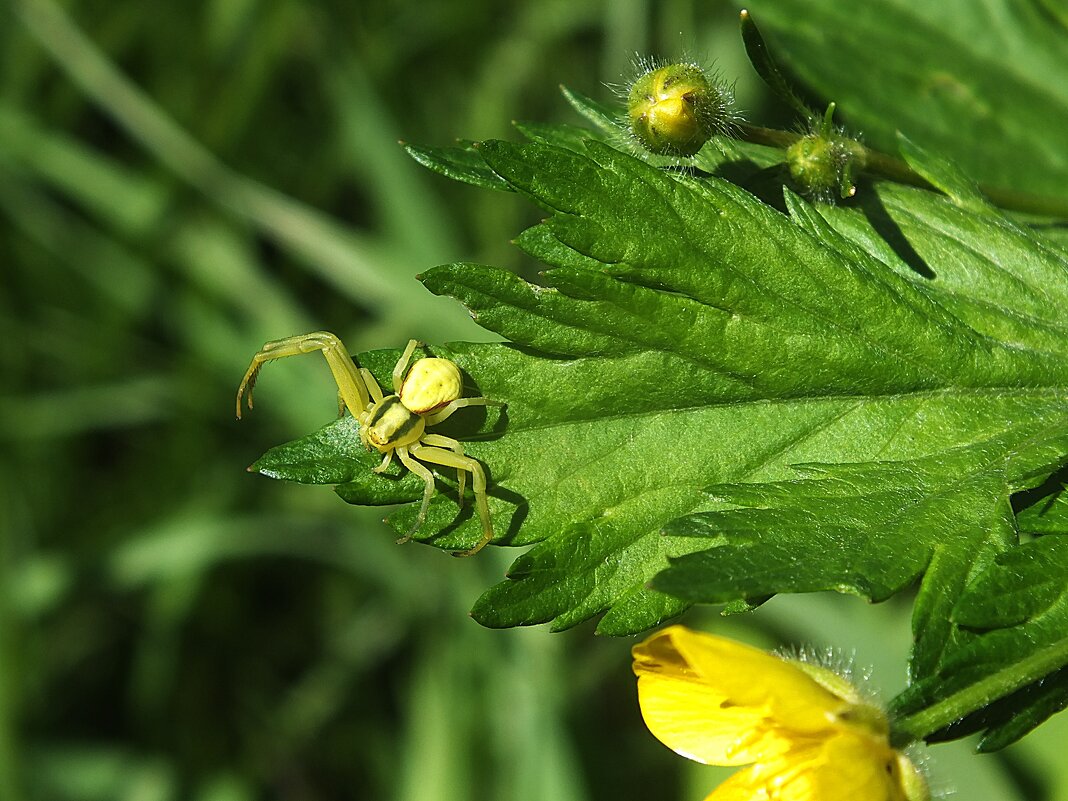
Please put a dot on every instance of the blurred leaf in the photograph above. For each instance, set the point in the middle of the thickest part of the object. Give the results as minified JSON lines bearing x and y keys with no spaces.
{"x":340,"y":255}
{"x":99,"y":773}
{"x":128,"y":200}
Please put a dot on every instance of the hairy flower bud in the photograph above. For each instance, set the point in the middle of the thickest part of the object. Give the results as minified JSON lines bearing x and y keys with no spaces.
{"x":824,"y":162}
{"x":674,"y":109}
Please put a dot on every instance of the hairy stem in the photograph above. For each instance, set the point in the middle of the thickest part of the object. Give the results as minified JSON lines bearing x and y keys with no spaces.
{"x":980,"y":694}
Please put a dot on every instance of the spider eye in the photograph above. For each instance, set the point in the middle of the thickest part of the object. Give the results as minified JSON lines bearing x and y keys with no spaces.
{"x":431,"y":384}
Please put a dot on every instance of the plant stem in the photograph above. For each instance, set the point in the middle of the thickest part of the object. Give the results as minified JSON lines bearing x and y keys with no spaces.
{"x":772,"y":137}
{"x":885,"y":166}
{"x":981,"y":693}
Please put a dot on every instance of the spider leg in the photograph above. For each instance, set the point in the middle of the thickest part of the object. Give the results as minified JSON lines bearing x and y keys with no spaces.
{"x":478,"y":485}
{"x":455,"y":447}
{"x":402,"y":365}
{"x":446,"y":411}
{"x":373,"y":389}
{"x":352,"y":390}
{"x":385,"y":463}
{"x":428,"y":491}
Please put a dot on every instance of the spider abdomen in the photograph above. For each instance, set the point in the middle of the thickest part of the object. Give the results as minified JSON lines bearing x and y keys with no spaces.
{"x":390,"y":425}
{"x":431,"y":384}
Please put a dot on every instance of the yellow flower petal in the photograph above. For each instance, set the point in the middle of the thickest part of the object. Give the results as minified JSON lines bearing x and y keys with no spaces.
{"x":851,"y":766}
{"x":848,"y":766}
{"x":724,"y":703}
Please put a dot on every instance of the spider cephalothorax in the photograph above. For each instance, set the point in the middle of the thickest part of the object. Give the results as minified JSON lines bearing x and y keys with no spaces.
{"x":395,"y":424}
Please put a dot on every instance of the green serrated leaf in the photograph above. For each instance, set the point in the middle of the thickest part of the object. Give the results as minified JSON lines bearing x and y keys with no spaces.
{"x":461,"y":163}
{"x":604,"y":247}
{"x":987,"y":270}
{"x":731,"y":402}
{"x":570,"y":136}
{"x":687,"y":335}
{"x":605,"y":118}
{"x":870,"y":529}
{"x":1022,"y":584}
{"x":325,"y":457}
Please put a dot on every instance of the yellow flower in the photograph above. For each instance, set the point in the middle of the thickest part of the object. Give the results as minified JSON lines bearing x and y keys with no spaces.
{"x":805,"y":732}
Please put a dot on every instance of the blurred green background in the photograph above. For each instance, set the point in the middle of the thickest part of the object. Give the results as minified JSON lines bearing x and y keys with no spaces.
{"x":181,"y":181}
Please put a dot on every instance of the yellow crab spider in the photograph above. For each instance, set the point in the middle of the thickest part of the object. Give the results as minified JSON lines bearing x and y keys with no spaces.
{"x":423,"y":396}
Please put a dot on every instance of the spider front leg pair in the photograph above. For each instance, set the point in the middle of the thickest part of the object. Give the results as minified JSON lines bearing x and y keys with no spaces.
{"x":422,"y":396}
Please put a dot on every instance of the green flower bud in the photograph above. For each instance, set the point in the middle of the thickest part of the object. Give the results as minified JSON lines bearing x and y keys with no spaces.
{"x":673,"y":110}
{"x":826,"y":161}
